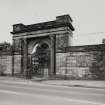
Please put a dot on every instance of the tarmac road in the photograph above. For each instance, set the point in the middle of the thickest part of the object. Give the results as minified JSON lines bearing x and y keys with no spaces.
{"x":20,"y":93}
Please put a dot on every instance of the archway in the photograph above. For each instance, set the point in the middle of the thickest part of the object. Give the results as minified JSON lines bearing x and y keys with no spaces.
{"x":40,"y":59}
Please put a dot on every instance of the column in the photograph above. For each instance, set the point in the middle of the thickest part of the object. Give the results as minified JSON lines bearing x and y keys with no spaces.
{"x":53,"y":55}
{"x":25,"y":57}
{"x":13,"y":57}
{"x":21,"y":52}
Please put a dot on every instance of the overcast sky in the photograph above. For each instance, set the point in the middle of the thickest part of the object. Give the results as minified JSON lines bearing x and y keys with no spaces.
{"x":88,"y":17}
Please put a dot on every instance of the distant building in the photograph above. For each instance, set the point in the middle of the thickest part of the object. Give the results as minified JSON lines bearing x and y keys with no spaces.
{"x":45,"y":50}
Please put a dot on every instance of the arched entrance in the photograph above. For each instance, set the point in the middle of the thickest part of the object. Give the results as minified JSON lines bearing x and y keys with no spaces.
{"x":40,"y":60}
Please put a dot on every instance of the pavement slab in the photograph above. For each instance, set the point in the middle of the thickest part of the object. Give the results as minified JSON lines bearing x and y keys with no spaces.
{"x":68,"y":83}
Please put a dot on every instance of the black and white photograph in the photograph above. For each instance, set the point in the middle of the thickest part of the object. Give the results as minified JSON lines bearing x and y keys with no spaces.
{"x":52,"y":52}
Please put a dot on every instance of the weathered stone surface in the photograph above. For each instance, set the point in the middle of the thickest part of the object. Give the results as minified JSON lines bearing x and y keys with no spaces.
{"x":9,"y":65}
{"x":6,"y":64}
{"x":17,"y":64}
{"x":62,"y":41}
{"x":5,"y":58}
{"x":79,"y":62}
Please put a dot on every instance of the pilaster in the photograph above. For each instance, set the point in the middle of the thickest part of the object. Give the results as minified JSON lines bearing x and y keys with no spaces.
{"x":53,"y":55}
{"x":25,"y":57}
{"x":13,"y":58}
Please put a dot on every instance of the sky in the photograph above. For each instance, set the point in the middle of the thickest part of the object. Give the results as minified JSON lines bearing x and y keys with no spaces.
{"x":88,"y":17}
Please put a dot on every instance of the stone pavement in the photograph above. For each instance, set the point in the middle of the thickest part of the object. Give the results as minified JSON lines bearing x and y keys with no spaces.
{"x":68,"y":83}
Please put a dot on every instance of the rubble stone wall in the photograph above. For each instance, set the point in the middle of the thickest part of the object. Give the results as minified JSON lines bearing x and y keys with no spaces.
{"x":82,"y":62}
{"x":5,"y":59}
{"x":17,"y":64}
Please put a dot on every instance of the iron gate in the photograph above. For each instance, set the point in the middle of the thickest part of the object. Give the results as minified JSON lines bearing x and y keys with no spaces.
{"x":40,"y":62}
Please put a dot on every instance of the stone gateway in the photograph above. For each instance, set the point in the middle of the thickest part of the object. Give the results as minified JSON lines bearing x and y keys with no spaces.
{"x":35,"y":45}
{"x":45,"y":50}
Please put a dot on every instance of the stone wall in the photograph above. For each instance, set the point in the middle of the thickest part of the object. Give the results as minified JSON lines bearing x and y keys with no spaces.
{"x":17,"y":64}
{"x":82,"y":62}
{"x":75,"y":62}
{"x":5,"y":59}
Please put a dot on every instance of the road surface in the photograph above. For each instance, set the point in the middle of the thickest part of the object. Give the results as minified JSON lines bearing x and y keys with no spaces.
{"x":20,"y":93}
